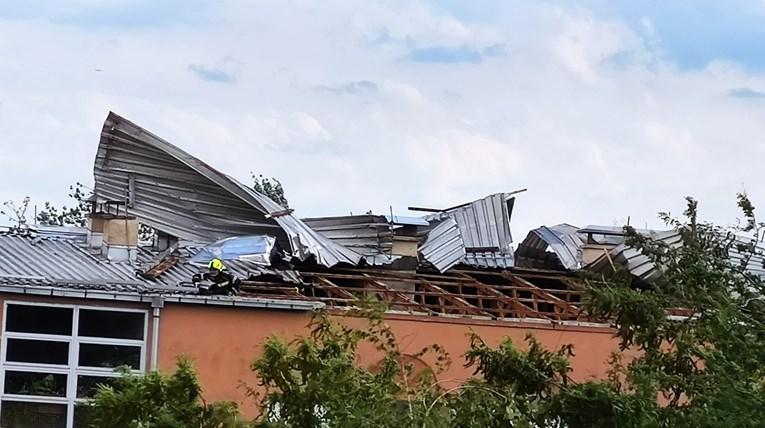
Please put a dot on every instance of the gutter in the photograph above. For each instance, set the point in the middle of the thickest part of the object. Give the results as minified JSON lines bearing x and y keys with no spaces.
{"x":225,"y":301}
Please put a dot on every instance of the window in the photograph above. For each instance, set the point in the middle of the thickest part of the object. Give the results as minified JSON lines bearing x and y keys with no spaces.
{"x":37,"y":351}
{"x":54,"y":356}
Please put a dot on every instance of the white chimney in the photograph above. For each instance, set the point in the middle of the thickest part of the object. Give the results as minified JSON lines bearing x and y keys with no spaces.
{"x":120,"y":239}
{"x":115,"y":235}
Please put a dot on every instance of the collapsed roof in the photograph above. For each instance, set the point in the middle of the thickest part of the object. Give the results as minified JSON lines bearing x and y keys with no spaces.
{"x":178,"y":194}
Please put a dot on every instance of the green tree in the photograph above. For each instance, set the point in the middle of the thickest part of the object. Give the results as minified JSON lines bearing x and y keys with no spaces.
{"x":700,"y":327}
{"x":76,"y":215}
{"x":695,"y":336}
{"x":159,"y":401}
{"x":270,"y":187}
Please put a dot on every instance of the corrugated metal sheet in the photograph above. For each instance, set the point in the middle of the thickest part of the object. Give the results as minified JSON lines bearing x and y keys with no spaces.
{"x":443,"y":246}
{"x":368,"y":235}
{"x":563,"y":240}
{"x":641,"y":266}
{"x":485,"y":228}
{"x":67,"y":263}
{"x":180,"y":195}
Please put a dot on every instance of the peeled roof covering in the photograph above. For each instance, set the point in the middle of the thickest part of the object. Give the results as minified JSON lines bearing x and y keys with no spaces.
{"x":174,"y":192}
{"x":485,"y":228}
{"x":640,"y":266}
{"x":564,"y":243}
{"x":443,"y":246}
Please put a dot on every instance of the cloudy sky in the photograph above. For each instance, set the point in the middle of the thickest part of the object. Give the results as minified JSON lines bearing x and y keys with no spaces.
{"x":602,"y":109}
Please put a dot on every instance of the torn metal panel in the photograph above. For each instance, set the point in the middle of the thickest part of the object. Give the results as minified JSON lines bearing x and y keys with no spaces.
{"x":180,"y":195}
{"x":368,"y":235}
{"x":406,"y":221}
{"x":443,"y":246}
{"x":485,"y":228}
{"x":253,"y":248}
{"x":563,"y":241}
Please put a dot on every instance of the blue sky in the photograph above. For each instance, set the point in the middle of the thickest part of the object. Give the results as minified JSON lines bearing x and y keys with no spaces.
{"x":603,"y":109}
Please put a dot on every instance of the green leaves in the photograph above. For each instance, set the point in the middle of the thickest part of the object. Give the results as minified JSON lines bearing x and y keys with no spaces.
{"x":270,"y":187}
{"x":159,"y":401}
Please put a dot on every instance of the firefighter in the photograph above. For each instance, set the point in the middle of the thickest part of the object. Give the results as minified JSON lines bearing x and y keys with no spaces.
{"x":222,"y":281}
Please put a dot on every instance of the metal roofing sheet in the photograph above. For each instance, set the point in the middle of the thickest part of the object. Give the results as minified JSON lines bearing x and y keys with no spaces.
{"x":563,"y":240}
{"x":640,"y":266}
{"x":443,"y":246}
{"x":180,"y":195}
{"x":485,"y":228}
{"x":368,"y":235}
{"x":68,"y":263}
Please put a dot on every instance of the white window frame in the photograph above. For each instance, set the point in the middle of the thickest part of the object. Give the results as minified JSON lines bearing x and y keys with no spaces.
{"x":72,"y":368}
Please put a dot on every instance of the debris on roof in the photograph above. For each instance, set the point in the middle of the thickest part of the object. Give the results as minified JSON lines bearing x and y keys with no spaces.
{"x":256,"y":249}
{"x":443,"y":246}
{"x":553,"y":247}
{"x":485,"y":228}
{"x":369,"y":235}
{"x":178,"y":194}
{"x":641,"y":267}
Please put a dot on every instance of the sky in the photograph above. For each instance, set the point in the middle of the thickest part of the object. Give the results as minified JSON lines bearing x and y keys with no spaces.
{"x":604,"y":110}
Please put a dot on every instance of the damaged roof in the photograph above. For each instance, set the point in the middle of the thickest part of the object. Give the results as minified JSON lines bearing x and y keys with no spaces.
{"x":178,"y":194}
{"x":484,"y":225}
{"x":551,"y":247}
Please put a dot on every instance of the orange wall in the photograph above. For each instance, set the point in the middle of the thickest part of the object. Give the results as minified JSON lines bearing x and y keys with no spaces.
{"x":223,"y":342}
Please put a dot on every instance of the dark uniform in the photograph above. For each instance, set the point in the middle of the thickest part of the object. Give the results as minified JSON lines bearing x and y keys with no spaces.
{"x":222,"y":281}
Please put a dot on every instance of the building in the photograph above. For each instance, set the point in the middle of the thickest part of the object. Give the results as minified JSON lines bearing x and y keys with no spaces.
{"x":77,"y":302}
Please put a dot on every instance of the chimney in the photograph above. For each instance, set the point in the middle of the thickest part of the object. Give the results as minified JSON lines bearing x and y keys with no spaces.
{"x":96,"y":230}
{"x":115,"y":235}
{"x":120,"y":239}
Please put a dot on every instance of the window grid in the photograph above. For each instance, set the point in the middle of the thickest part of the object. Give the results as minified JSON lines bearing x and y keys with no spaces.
{"x":72,"y":368}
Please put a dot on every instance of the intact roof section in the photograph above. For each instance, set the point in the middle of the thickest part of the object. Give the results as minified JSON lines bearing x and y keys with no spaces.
{"x":69,"y":263}
{"x":181,"y":195}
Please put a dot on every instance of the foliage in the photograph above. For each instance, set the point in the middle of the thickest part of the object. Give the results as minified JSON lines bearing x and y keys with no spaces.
{"x":270,"y":187}
{"x":159,"y":401}
{"x":699,"y":327}
{"x":692,"y":341}
{"x":77,"y":215}
{"x":16,"y":213}
{"x":316,"y":380}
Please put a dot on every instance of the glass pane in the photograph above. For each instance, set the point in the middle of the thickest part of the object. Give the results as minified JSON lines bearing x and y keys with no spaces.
{"x":27,"y":383}
{"x":118,"y":325}
{"x":81,"y":416}
{"x":37,"y":351}
{"x":111,"y":356}
{"x":88,"y":385}
{"x":33,"y":415}
{"x":39,"y":319}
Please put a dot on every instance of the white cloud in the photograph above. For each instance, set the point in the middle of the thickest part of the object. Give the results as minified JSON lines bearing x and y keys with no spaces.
{"x":587,"y":113}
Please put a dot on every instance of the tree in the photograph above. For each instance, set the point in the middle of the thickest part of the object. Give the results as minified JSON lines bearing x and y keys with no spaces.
{"x":696,"y":337}
{"x":159,"y":401}
{"x":77,"y":215}
{"x":317,"y":382}
{"x":16,"y":213}
{"x":707,"y":361}
{"x":270,"y":187}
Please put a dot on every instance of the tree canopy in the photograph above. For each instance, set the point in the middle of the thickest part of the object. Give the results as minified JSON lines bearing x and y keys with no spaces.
{"x":693,"y":340}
